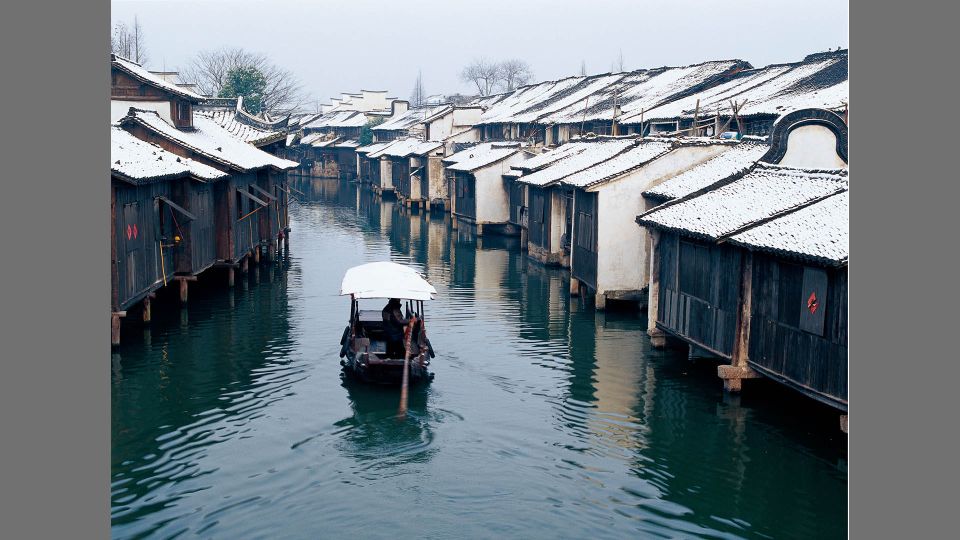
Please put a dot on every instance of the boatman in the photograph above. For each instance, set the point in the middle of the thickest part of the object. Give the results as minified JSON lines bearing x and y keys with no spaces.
{"x":393,"y":325}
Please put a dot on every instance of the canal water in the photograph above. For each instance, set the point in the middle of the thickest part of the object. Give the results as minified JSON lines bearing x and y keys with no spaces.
{"x":546,"y":419}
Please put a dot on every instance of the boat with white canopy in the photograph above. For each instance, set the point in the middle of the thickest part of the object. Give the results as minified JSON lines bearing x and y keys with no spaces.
{"x":387,"y":344}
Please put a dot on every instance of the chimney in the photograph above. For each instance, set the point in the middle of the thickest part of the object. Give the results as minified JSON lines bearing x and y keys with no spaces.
{"x":398,"y":106}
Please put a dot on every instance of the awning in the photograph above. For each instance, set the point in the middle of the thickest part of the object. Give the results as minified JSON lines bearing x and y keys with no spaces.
{"x":177,"y":207}
{"x":263,"y":191}
{"x":386,"y":280}
{"x":252,"y":198}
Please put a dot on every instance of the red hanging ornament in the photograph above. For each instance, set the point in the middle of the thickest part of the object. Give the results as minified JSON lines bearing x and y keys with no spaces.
{"x":812,"y":303}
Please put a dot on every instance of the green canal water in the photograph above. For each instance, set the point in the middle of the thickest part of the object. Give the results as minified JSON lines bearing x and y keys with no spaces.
{"x":546,"y":419}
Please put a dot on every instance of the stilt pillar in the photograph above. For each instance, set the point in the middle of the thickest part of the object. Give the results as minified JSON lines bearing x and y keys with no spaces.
{"x":230,"y":276}
{"x":286,"y":238}
{"x":574,"y":286}
{"x":454,"y":223}
{"x":271,"y":251}
{"x":115,"y":327}
{"x":183,"y":291}
{"x":256,"y":255}
{"x":739,"y":369}
{"x":479,"y":229}
{"x":658,"y":338}
{"x":244,"y":264}
{"x":844,"y":427}
{"x":523,"y":239}
{"x":600,"y":301}
{"x":146,"y":309}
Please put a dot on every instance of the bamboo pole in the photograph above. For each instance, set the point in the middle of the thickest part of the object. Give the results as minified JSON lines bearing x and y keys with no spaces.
{"x":402,"y":413}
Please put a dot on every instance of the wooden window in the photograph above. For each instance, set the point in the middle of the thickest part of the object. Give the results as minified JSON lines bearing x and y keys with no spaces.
{"x":240,"y":209}
{"x":585,"y":232}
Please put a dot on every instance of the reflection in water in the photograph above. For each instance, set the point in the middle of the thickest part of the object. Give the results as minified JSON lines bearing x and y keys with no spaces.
{"x":546,"y":418}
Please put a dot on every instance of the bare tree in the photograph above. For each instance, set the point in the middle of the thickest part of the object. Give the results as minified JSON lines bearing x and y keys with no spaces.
{"x":128,"y":42}
{"x":419,"y":95}
{"x":583,"y":68}
{"x":514,"y":74}
{"x":209,"y":70}
{"x":618,"y":63}
{"x":485,"y":75}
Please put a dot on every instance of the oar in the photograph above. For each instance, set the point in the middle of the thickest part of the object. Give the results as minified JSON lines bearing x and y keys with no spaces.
{"x":402,"y":413}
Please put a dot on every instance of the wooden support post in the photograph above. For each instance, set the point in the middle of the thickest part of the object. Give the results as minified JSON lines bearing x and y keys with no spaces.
{"x":286,"y":239}
{"x":271,"y":251}
{"x":844,"y":426}
{"x":479,"y":229}
{"x":574,"y":286}
{"x":244,"y":264}
{"x":454,"y":223}
{"x":739,"y":369}
{"x":523,"y":239}
{"x":600,"y":301}
{"x":230,"y":277}
{"x":183,"y":291}
{"x":658,"y":338}
{"x":256,"y":255}
{"x":115,"y":327}
{"x":146,"y":309}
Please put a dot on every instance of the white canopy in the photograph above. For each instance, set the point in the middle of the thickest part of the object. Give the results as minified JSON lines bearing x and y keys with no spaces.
{"x":386,"y":280}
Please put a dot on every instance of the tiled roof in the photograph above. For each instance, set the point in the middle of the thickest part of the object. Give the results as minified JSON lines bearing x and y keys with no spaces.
{"x":818,"y":233}
{"x":481,"y":155}
{"x":210,"y":140}
{"x":763,"y":193}
{"x":634,"y":158}
{"x":738,"y":159}
{"x":137,"y":71}
{"x":593,"y":154}
{"x":139,"y":162}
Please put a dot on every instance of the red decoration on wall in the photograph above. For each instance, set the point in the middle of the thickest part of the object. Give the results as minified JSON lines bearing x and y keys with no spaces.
{"x":129,"y":231}
{"x":812,"y":303}
{"x":135,"y":232}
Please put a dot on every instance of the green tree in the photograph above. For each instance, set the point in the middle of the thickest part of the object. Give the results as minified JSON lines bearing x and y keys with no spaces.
{"x":248,"y":82}
{"x":366,"y":132}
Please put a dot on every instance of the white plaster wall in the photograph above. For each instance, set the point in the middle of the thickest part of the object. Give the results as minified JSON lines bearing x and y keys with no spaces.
{"x":441,"y":128}
{"x":438,"y":184}
{"x":558,"y":217}
{"x":493,"y":201}
{"x":466,"y":117}
{"x":119,"y":108}
{"x":812,"y":147}
{"x":386,"y":174}
{"x":622,"y":255}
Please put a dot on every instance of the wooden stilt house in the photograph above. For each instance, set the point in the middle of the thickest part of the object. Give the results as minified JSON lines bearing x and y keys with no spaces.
{"x":479,"y":197}
{"x":753,"y":268}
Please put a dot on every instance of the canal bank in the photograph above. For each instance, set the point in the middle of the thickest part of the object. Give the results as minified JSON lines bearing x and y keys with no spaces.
{"x":546,"y":418}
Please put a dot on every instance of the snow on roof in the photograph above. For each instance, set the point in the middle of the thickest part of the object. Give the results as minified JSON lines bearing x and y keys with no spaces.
{"x":761,"y":194}
{"x":818,"y":81}
{"x":349,"y":143}
{"x":380,"y":151}
{"x":338,"y":119}
{"x":324,"y":142}
{"x":633,"y":158}
{"x":481,"y":155}
{"x":410,"y":147}
{"x":386,"y":280}
{"x":547,"y":157}
{"x":818,"y":233}
{"x":408,"y":119}
{"x":137,"y":71}
{"x":374,"y":147}
{"x":140,"y":161}
{"x":591,"y":155}
{"x":228,"y":120}
{"x":210,"y":140}
{"x":526,"y":98}
{"x":311,"y":138}
{"x":290,"y":137}
{"x":737,"y":160}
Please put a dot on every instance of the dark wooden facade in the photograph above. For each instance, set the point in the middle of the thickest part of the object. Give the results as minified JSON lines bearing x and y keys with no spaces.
{"x":465,"y":192}
{"x":699,"y":292}
{"x":518,"y":208}
{"x":539,"y":218}
{"x":140,"y":223}
{"x":126,"y":87}
{"x":584,"y":245}
{"x":400,"y":172}
{"x":797,"y":336}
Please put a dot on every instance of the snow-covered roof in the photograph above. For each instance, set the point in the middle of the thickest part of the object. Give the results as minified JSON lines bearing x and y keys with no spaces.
{"x":548,"y":156}
{"x":481,"y":155}
{"x":325,"y":142}
{"x":230,"y":121}
{"x":577,"y":99}
{"x":386,"y":280}
{"x":818,"y":233}
{"x":634,"y":158}
{"x":819,"y":81}
{"x":763,"y":193}
{"x":410,"y":147}
{"x":311,"y":138}
{"x":374,"y":147}
{"x":737,"y":160}
{"x":209,"y":140}
{"x":592,"y":154}
{"x":406,"y":120}
{"x":138,"y":72}
{"x":338,"y":119}
{"x":290,"y":138}
{"x":139,"y":161}
{"x":349,"y":143}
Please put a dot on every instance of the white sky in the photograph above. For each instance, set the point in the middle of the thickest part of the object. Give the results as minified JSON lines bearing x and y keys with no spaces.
{"x":345,"y":45}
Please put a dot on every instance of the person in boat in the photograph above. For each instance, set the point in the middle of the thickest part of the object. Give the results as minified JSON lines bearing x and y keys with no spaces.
{"x":393,"y":325}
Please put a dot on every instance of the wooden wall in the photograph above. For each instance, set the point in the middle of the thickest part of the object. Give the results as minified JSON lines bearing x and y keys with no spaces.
{"x":538,"y":224}
{"x":137,"y":231}
{"x":584,"y":241}
{"x":466,"y":193}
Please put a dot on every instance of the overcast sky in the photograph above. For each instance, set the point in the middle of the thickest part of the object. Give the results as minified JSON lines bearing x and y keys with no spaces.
{"x":348,"y":45}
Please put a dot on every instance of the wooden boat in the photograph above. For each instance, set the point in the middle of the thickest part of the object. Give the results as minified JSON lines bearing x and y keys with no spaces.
{"x":364,"y":344}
